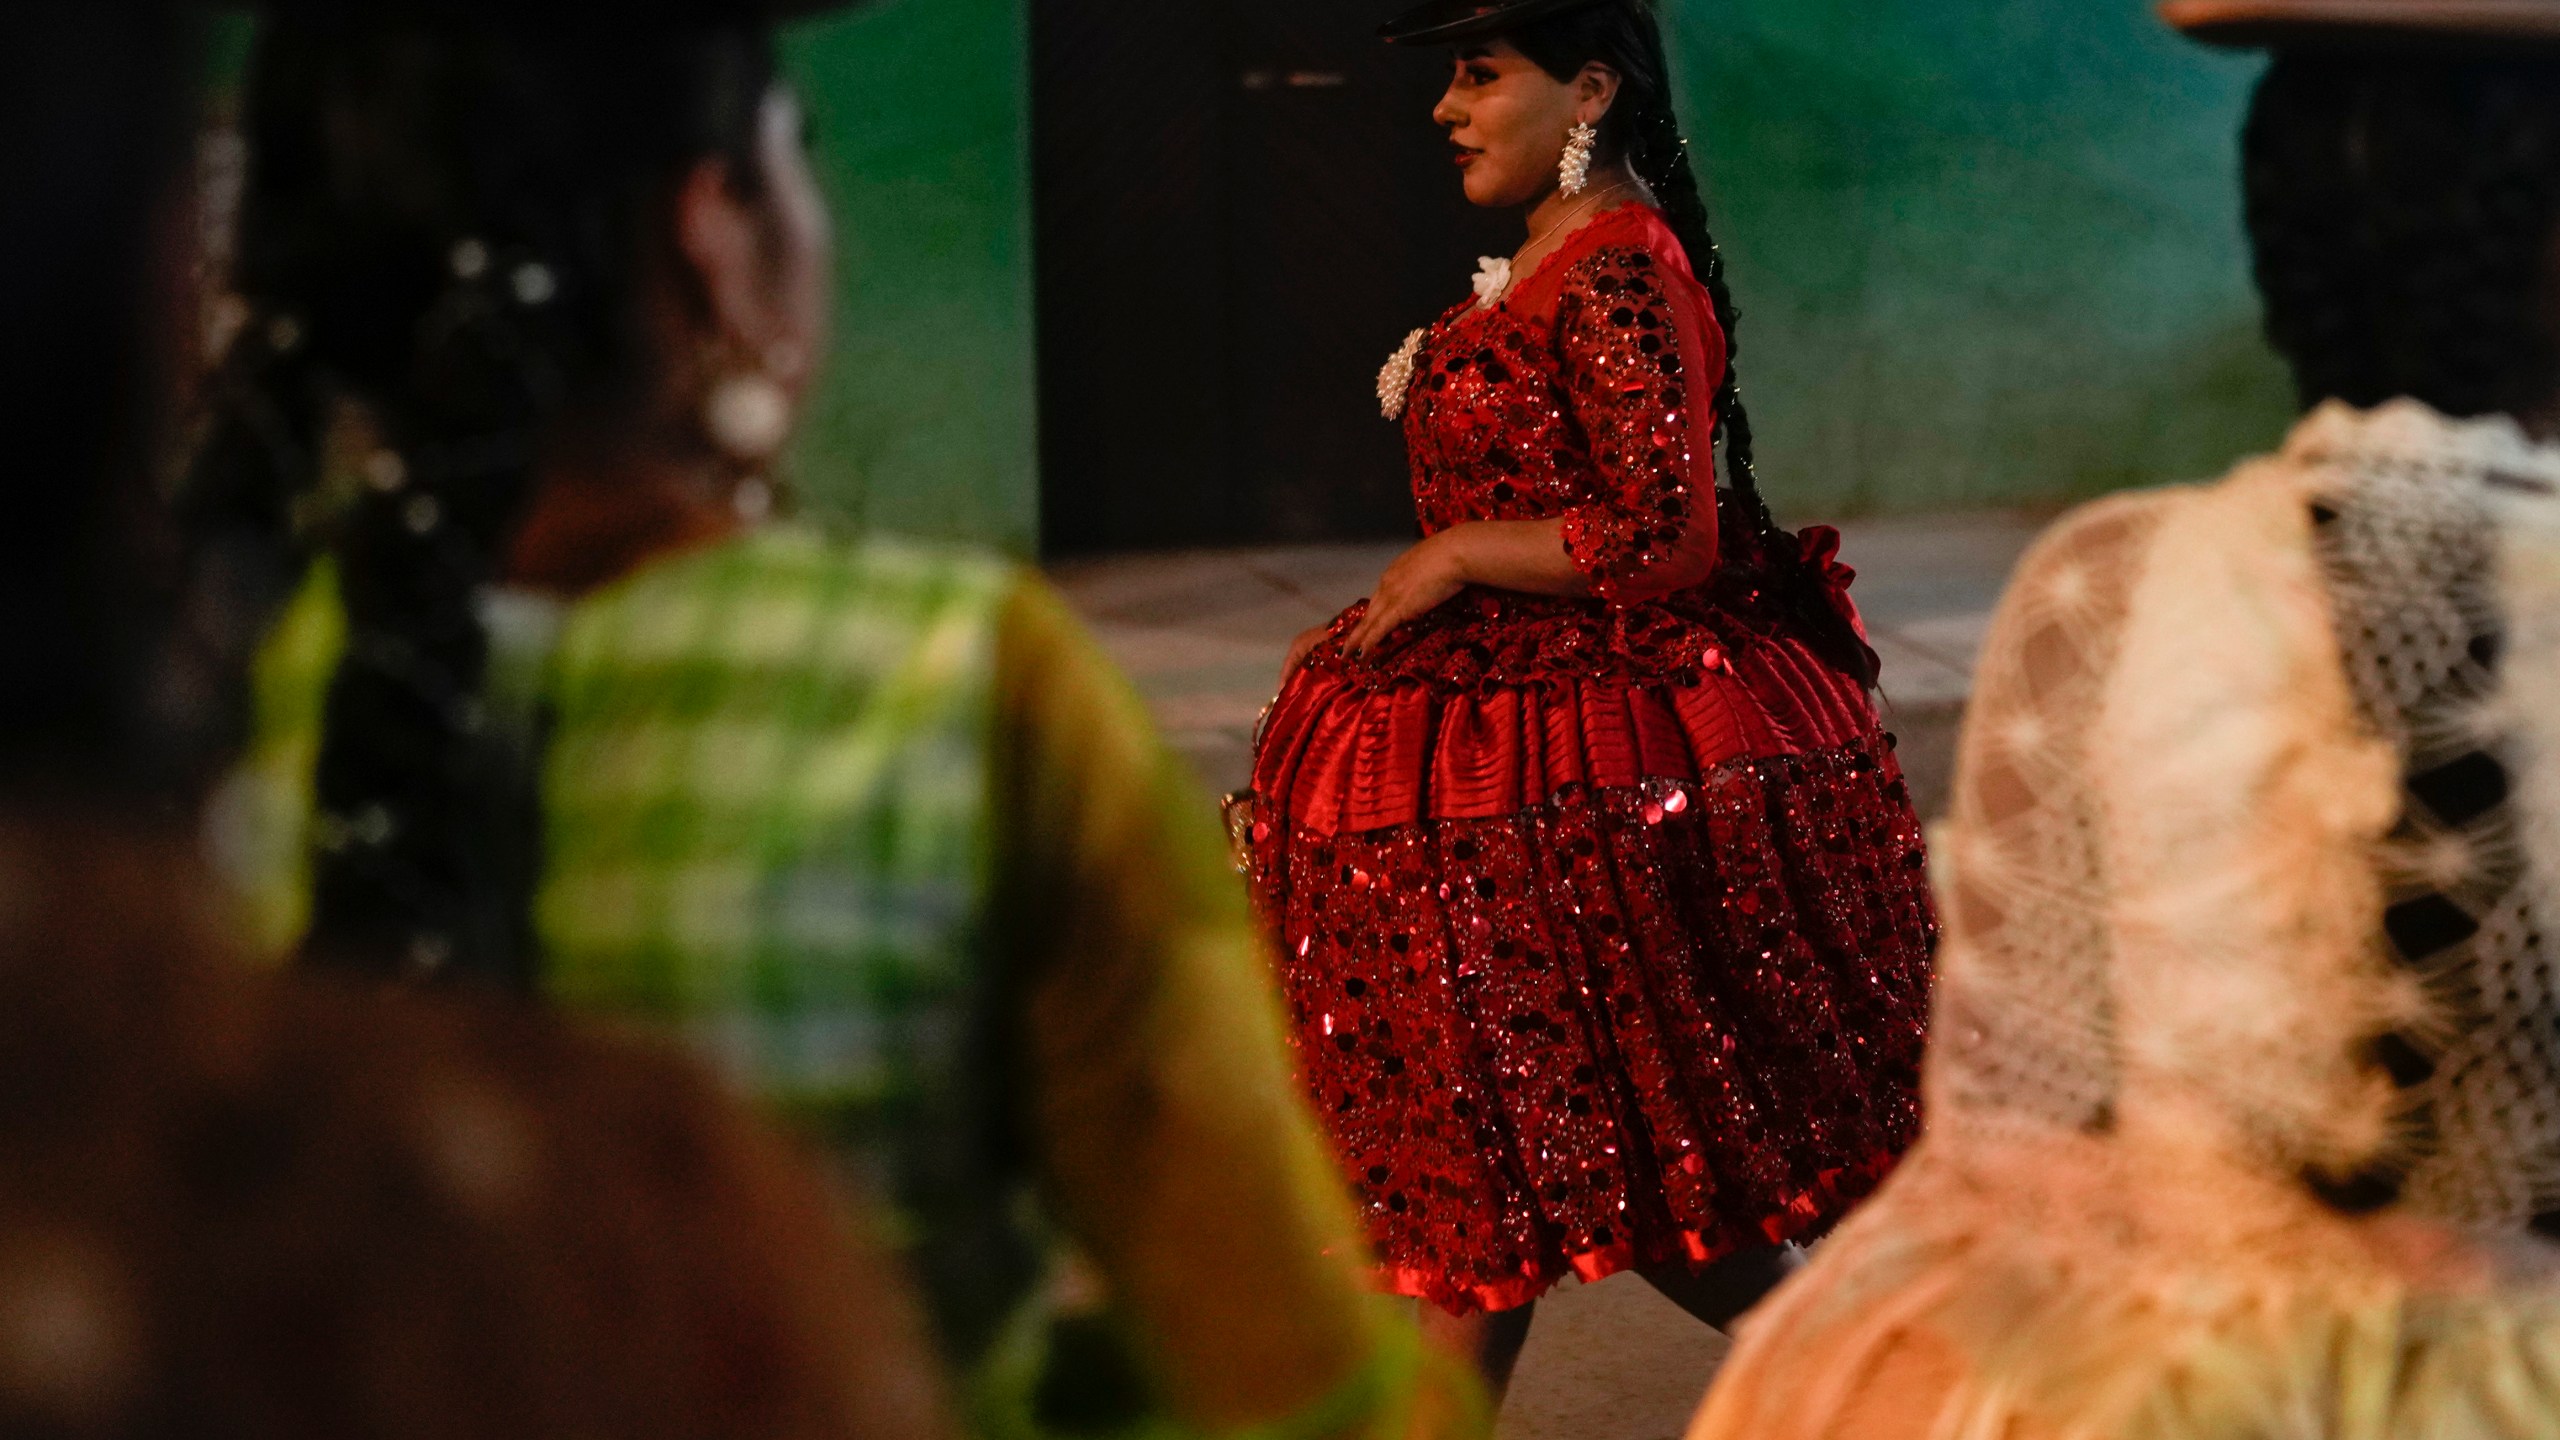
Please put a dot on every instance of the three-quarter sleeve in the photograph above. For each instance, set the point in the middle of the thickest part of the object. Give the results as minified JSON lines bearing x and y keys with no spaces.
{"x":1642,"y":359}
{"x":1169,"y":1127}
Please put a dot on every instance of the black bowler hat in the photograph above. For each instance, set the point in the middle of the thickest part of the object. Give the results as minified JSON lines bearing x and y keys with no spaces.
{"x":2486,"y":23}
{"x":1442,"y":22}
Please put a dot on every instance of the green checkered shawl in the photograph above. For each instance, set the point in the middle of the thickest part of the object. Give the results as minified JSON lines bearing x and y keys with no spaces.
{"x":765,"y":799}
{"x":766,"y":804}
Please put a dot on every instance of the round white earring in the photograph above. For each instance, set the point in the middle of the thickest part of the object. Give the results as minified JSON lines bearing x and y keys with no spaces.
{"x":747,"y":416}
{"x":1575,"y":172}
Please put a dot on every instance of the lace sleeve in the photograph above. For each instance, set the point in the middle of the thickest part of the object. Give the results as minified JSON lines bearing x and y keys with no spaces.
{"x":1642,"y":358}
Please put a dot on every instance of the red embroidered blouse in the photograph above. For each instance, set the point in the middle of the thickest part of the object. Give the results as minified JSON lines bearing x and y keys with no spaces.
{"x":1586,"y":394}
{"x":1572,"y":397}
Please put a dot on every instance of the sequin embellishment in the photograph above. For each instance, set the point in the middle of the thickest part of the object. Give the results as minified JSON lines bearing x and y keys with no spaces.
{"x":1619,"y":1021}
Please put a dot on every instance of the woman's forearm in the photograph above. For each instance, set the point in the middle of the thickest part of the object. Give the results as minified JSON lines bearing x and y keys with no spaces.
{"x":1525,"y":555}
{"x":1530,"y":556}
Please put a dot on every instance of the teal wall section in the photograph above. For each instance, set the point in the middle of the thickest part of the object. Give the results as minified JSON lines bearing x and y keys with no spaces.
{"x":925,"y":424}
{"x":1988,"y":251}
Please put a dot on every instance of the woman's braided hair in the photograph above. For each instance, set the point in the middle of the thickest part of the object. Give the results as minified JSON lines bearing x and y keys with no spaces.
{"x":443,"y":232}
{"x":1644,"y":129}
{"x":2403,"y":212}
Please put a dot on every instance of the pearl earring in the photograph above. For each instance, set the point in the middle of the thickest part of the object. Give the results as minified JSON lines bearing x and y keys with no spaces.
{"x":747,"y":416}
{"x":1575,"y":172}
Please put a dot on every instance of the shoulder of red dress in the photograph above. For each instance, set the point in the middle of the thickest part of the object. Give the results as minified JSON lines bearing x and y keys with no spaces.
{"x":1637,"y":238}
{"x":1610,"y":257}
{"x":1613,"y":226}
{"x":1638,"y":226}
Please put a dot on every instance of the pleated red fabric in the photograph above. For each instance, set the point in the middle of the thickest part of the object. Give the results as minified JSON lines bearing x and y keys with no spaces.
{"x":1339,"y":756}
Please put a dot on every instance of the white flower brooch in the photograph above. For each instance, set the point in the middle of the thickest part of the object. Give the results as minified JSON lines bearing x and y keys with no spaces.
{"x":1493,"y":281}
{"x":1397,"y":378}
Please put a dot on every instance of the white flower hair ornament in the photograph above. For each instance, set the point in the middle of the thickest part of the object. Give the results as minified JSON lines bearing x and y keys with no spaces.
{"x":1397,"y":379}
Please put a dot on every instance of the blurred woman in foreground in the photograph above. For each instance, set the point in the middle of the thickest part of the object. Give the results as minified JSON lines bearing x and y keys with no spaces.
{"x":234,"y":1204}
{"x":533,"y":298}
{"x":2246,"y":1085}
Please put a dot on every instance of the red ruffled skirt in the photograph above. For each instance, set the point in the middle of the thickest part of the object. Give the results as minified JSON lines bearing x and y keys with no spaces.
{"x":1595,"y":973}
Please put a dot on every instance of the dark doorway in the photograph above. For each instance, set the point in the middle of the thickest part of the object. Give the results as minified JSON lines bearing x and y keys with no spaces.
{"x":1241,"y":209}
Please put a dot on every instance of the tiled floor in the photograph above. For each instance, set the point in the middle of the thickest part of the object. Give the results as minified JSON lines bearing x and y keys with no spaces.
{"x":1203,"y":633}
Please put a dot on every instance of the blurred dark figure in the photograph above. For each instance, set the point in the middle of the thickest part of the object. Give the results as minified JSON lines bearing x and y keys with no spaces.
{"x":234,"y":1205}
{"x":2402,"y":212}
{"x":95,"y":116}
{"x":237,"y":1206}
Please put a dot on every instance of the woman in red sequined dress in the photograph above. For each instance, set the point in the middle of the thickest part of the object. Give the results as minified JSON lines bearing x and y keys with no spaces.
{"x":1605,"y":917}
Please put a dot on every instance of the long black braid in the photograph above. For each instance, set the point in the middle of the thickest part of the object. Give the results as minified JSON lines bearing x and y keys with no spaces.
{"x":1643,"y":128}
{"x":2403,"y":212}
{"x":441,"y":246}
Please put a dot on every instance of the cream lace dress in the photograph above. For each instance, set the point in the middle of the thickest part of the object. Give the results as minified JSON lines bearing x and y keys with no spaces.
{"x":2246,"y":1066}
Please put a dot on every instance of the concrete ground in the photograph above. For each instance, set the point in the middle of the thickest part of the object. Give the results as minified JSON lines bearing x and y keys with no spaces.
{"x":1203,"y":633}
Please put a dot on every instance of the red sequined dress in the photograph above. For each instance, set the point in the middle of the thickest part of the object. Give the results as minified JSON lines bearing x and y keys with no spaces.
{"x":1605,"y":921}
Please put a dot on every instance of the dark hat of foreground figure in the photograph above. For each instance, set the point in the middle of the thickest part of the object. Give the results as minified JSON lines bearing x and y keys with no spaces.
{"x":2274,"y":22}
{"x":1443,"y":22}
{"x":564,"y":12}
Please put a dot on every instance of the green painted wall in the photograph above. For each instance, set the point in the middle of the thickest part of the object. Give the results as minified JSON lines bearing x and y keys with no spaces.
{"x":1988,"y":251}
{"x":926,"y":422}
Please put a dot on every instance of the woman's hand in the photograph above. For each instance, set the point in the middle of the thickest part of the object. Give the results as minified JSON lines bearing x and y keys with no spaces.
{"x":1420,"y":581}
{"x":1302,"y":647}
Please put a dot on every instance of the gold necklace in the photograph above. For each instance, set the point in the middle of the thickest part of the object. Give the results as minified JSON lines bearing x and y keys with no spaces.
{"x":1575,"y":214}
{"x":1512,"y":275}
